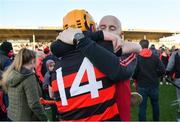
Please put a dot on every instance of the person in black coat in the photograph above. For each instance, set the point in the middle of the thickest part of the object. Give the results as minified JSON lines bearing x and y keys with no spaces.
{"x":149,"y":69}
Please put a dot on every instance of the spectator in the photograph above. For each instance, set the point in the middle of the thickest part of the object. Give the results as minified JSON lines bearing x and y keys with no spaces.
{"x":23,"y":88}
{"x":46,"y":50}
{"x":148,"y":69}
{"x":50,"y":66}
{"x":164,"y":57}
{"x":50,"y":56}
{"x":174,"y":66}
{"x":5,"y":49}
{"x":154,"y":50}
{"x":173,"y":48}
{"x":38,"y":68}
{"x":3,"y":109}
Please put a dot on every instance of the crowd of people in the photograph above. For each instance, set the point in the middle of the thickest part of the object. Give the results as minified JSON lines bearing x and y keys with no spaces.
{"x":84,"y":74}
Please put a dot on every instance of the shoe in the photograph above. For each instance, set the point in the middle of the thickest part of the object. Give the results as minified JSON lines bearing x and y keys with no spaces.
{"x":178,"y":119}
{"x":178,"y":111}
{"x":136,"y":99}
{"x":47,"y":107}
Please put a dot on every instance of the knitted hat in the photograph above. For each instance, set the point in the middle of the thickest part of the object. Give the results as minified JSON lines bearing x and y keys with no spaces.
{"x":6,"y":47}
{"x":48,"y":62}
{"x":46,"y":50}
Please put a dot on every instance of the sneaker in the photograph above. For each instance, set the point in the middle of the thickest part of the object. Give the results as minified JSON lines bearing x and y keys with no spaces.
{"x":178,"y":119}
{"x":178,"y":111}
{"x":136,"y":99}
{"x":47,"y":107}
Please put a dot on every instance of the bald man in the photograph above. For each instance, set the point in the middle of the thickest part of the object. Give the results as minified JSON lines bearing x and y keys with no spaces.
{"x":112,"y":24}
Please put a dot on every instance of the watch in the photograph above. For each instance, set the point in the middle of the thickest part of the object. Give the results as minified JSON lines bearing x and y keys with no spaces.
{"x":78,"y":37}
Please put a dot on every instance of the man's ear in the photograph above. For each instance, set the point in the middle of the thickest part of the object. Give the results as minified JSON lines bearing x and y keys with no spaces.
{"x":121,"y":34}
{"x":97,"y":28}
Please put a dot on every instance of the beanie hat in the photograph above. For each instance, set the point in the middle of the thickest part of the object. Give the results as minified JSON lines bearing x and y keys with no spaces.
{"x":6,"y":47}
{"x":48,"y":62}
{"x":46,"y":50}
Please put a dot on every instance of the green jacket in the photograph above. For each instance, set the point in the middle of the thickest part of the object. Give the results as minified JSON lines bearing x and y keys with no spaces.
{"x":24,"y":93}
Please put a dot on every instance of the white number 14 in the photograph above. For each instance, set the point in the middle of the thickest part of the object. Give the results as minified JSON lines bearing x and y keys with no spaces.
{"x":76,"y":89}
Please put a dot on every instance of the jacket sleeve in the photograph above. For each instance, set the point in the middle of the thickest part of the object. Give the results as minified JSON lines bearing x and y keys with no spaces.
{"x":7,"y":63}
{"x":136,"y":72}
{"x":32,"y":95}
{"x":160,"y":68}
{"x":46,"y":80}
{"x":38,"y":69}
{"x":171,"y":62}
{"x":95,"y":36}
{"x":114,"y":67}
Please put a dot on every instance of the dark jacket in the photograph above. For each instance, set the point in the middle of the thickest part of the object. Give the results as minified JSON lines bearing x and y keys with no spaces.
{"x":154,"y":51}
{"x":174,"y":63}
{"x":149,"y":68}
{"x":91,"y":61}
{"x":4,"y":60}
{"x":24,"y":93}
{"x":101,"y":56}
{"x":44,"y":67}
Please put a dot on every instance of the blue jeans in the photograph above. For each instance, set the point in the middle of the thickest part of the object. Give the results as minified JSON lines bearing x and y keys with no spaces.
{"x":153,"y":94}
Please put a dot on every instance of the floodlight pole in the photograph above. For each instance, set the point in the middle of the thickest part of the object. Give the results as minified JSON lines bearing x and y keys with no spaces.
{"x":34,"y":41}
{"x":123,"y":37}
{"x":145,"y":37}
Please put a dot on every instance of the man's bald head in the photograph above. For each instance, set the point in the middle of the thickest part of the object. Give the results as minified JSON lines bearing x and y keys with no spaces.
{"x":111,"y":24}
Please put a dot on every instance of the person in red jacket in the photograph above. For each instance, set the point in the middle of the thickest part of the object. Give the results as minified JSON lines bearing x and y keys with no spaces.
{"x":39,"y":59}
{"x":112,"y":24}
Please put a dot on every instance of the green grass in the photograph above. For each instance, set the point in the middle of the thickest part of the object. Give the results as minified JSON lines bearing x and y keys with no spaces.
{"x":167,"y":112}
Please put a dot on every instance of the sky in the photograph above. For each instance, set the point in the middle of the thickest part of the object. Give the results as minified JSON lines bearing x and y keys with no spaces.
{"x":133,"y":14}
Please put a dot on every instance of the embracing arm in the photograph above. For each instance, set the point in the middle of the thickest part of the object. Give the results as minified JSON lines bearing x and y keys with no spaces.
{"x":107,"y":62}
{"x":130,"y":47}
{"x":114,"y":67}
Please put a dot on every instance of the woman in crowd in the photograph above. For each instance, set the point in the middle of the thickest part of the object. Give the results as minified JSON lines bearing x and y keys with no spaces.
{"x":23,"y":88}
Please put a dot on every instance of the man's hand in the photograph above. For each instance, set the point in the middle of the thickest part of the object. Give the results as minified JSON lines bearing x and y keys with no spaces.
{"x":130,"y":47}
{"x":116,"y":40}
{"x":67,"y":35}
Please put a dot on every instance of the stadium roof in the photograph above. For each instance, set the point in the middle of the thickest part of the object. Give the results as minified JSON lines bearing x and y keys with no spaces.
{"x":174,"y":38}
{"x":50,"y":33}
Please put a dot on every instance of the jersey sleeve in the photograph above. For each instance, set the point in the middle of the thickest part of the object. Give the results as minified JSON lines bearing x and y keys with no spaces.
{"x":114,"y":67}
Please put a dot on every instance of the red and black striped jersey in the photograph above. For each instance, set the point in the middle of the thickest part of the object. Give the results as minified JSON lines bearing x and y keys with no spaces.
{"x":81,"y":91}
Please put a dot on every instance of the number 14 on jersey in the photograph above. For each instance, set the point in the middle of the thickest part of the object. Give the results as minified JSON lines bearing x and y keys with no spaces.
{"x":76,"y":89}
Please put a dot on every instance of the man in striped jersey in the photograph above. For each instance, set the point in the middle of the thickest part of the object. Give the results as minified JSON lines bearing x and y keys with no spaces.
{"x":83,"y":81}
